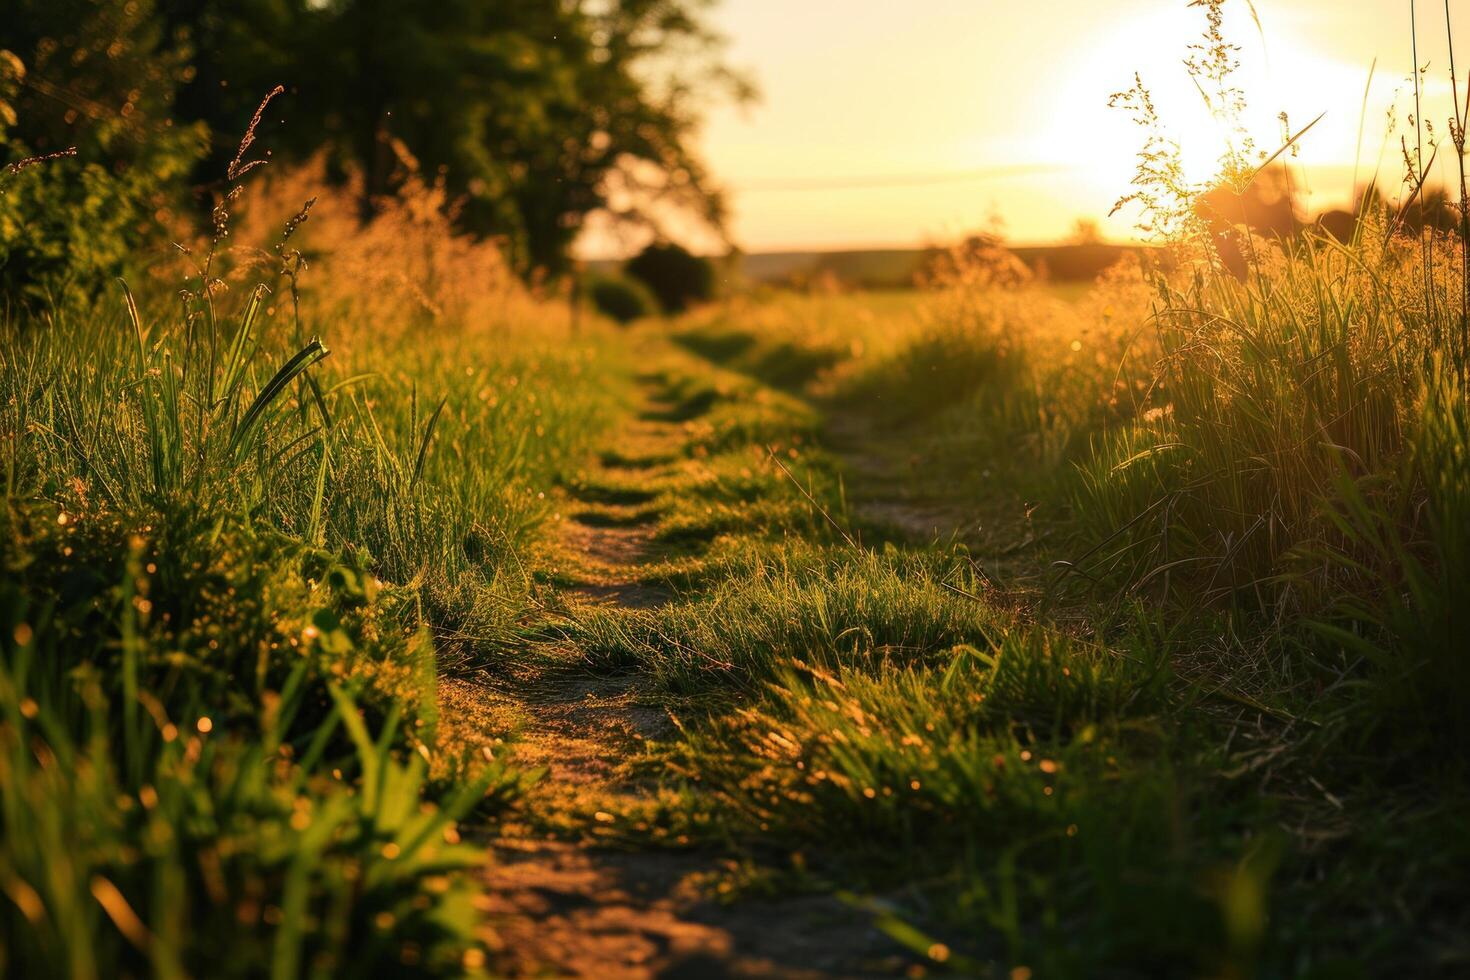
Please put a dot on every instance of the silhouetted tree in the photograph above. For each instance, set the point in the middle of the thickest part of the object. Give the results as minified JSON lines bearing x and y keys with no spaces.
{"x":1339,"y":224}
{"x":1266,"y":207}
{"x":1435,"y":208}
{"x":621,"y":299}
{"x":980,"y":258}
{"x":675,"y":276}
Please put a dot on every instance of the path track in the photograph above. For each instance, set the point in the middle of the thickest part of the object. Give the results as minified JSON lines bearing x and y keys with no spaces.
{"x":565,"y":904}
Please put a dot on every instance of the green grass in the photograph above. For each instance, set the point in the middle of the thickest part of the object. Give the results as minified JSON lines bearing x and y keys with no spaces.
{"x":1012,"y":793}
{"x":187,"y":766}
{"x":235,"y":568}
{"x":1280,"y":450}
{"x":768,"y":604}
{"x":1025,"y":790}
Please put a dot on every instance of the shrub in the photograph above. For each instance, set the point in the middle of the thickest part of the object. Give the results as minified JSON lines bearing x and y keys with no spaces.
{"x":677,"y":277}
{"x":70,"y":226}
{"x":621,"y":299}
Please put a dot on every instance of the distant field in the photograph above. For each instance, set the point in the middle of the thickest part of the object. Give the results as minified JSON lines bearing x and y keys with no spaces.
{"x":896,"y":268}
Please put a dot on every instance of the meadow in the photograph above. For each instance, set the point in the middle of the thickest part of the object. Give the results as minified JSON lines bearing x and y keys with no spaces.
{"x":359,"y":595}
{"x":1066,"y":635}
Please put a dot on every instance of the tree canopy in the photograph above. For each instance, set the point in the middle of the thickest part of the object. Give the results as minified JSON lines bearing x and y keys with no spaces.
{"x":534,"y":113}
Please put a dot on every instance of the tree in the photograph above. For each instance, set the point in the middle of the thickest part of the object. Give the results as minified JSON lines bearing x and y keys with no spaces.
{"x":1266,"y":206}
{"x":534,"y":112}
{"x":677,"y":278}
{"x":1085,"y":231}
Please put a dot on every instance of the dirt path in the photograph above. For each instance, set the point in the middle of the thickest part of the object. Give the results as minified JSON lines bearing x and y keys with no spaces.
{"x":894,"y":487}
{"x":888,"y":484}
{"x":562,"y":899}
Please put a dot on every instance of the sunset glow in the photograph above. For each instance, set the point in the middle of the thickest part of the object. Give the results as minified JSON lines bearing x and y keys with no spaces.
{"x":983,"y":112}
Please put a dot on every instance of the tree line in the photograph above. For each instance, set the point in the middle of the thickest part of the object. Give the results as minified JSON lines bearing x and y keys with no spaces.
{"x":534,"y":113}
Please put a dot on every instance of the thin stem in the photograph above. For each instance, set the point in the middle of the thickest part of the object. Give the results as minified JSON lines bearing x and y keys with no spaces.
{"x":1458,"y":133}
{"x":1420,"y":174}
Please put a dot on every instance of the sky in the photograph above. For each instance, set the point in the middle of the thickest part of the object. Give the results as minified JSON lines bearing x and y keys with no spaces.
{"x":888,"y":123}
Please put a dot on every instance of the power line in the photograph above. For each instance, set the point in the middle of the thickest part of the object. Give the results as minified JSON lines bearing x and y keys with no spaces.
{"x":873,"y":181}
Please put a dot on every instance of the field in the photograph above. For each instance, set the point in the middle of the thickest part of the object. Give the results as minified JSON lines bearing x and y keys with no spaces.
{"x":373,"y":606}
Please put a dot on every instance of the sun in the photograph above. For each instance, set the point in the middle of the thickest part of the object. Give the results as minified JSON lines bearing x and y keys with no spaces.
{"x":1155,"y":48}
{"x":1276,"y":72}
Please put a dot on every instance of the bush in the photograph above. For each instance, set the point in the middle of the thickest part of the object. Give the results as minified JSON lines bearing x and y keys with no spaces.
{"x":621,"y":299}
{"x":69,"y":226}
{"x":677,"y":277}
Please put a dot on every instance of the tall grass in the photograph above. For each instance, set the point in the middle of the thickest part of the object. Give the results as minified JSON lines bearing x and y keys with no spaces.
{"x":1282,"y":445}
{"x":1297,"y":461}
{"x":1276,"y":442}
{"x":236,"y":560}
{"x":1257,"y":496}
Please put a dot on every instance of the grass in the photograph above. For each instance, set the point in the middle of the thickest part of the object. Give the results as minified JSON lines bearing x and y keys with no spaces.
{"x":187,"y":758}
{"x":1017,"y":786}
{"x":1152,"y":744}
{"x":235,"y":568}
{"x":1249,"y":554}
{"x":1014,"y":793}
{"x":766,"y":604}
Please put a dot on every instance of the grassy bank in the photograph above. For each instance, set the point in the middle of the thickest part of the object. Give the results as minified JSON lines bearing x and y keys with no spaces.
{"x":1183,"y":700}
{"x":237,"y":561}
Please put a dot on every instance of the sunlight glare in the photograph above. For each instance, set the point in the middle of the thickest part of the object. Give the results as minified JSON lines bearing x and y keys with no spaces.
{"x":1277,"y":73}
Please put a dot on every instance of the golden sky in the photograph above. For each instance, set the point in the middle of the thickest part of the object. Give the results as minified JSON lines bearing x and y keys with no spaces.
{"x":899,"y":122}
